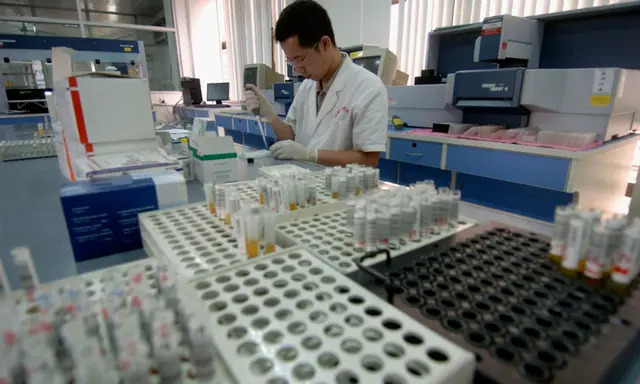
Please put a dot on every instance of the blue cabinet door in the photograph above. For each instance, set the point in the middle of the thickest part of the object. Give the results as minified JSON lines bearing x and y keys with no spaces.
{"x":415,"y":152}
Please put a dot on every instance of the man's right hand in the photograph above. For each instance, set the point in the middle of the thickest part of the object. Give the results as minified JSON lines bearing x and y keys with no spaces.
{"x":256,"y":102}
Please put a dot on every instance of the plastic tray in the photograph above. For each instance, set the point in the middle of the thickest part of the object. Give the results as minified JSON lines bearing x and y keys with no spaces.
{"x":290,"y":318}
{"x":326,"y":235}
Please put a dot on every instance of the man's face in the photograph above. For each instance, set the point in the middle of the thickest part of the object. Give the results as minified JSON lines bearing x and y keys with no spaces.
{"x":312,"y":63}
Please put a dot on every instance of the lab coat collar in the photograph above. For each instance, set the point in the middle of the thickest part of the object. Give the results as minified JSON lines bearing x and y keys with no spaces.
{"x":331,"y":99}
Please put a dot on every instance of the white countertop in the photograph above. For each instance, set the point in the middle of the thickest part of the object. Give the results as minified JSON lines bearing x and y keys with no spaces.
{"x":610,"y":145}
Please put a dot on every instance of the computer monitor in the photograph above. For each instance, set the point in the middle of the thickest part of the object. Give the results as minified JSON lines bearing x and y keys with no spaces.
{"x":217,"y":92}
{"x":261,"y":75}
{"x":191,"y":92}
{"x":379,"y":61}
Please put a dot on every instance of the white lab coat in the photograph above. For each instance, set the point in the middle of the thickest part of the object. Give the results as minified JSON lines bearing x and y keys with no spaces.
{"x":352,"y":116}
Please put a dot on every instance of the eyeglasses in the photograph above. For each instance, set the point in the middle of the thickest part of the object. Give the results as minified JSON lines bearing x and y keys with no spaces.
{"x":296,"y":62}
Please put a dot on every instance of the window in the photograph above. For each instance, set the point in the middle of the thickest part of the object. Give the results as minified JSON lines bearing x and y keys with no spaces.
{"x":145,"y":20}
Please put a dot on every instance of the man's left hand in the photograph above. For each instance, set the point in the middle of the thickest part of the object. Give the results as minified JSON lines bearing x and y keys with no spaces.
{"x":290,"y":150}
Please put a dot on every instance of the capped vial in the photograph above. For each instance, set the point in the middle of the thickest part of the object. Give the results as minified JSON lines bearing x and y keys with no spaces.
{"x":269,"y":226}
{"x":312,"y":195}
{"x":210,"y":195}
{"x":384,"y":228}
{"x":26,"y":271}
{"x":454,"y":209}
{"x":560,"y":232}
{"x":371,"y":231}
{"x":426,"y":216}
{"x":627,"y":260}
{"x":359,"y":225}
{"x":342,"y":188}
{"x":350,"y":213}
{"x":202,"y":352}
{"x":253,"y":230}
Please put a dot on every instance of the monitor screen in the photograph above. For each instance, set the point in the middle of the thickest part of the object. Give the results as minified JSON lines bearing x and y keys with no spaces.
{"x":217,"y":91}
{"x":251,"y":76}
{"x":371,"y":64}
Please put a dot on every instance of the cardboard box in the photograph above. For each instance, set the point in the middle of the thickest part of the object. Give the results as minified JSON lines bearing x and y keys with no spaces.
{"x":214,"y":158}
{"x":102,"y":216}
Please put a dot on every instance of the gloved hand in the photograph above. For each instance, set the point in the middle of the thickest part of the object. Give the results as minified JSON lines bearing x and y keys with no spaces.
{"x":255,"y":100}
{"x":290,"y":150}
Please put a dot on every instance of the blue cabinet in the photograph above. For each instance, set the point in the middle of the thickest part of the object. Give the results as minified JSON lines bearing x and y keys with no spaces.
{"x":225,"y":122}
{"x":240,"y":124}
{"x":534,"y":170}
{"x":415,"y":152}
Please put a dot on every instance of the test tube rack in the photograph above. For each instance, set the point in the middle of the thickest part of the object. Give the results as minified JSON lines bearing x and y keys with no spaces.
{"x":324,"y":233}
{"x":290,"y":318}
{"x":191,"y":239}
{"x":27,"y":149}
{"x":249,"y":189}
{"x":493,"y":291}
{"x":92,"y":285}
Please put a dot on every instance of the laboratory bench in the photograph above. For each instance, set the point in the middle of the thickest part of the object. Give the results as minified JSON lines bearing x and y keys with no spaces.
{"x":528,"y":181}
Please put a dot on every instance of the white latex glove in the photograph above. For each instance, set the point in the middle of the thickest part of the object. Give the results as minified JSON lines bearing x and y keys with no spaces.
{"x":255,"y":100}
{"x":290,"y":150}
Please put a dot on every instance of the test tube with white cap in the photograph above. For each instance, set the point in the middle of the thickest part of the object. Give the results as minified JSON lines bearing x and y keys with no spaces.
{"x":301,"y":192}
{"x":599,"y":244}
{"x":627,"y":260}
{"x":209,"y":193}
{"x":221,"y":200}
{"x":328,"y":179}
{"x":202,"y":351}
{"x":384,"y":228}
{"x":342,"y":188}
{"x":426,"y":215}
{"x":575,"y":244}
{"x":563,"y":215}
{"x":454,"y":209}
{"x":371,"y":231}
{"x":269,"y":226}
{"x":335,"y":187}
{"x":291,"y":193}
{"x":359,"y":228}
{"x":26,"y":271}
{"x":252,"y":235}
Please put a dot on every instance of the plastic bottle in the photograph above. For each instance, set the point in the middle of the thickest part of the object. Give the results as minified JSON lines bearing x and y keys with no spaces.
{"x":627,"y":261}
{"x":560,"y":232}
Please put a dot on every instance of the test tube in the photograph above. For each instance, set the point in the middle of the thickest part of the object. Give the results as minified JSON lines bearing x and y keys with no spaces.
{"x":5,"y":288}
{"x":202,"y":352}
{"x":260,"y":184}
{"x":616,"y":225}
{"x":359,"y":183}
{"x":221,"y":200}
{"x":416,"y":230}
{"x":599,"y":244}
{"x":209,"y":193}
{"x":384,"y":228}
{"x":252,"y":236}
{"x":368,"y":179}
{"x":291,"y":193}
{"x":359,"y":227}
{"x":396,"y":221}
{"x":371,"y":231}
{"x":350,"y":213}
{"x":426,"y":216}
{"x":312,"y":194}
{"x":454,"y":209}
{"x":335,"y":187}
{"x":328,"y":179}
{"x":408,"y":219}
{"x":269,"y":218}
{"x":441,"y":211}
{"x":301,"y":192}
{"x":342,"y":188}
{"x":376,"y":177}
{"x":167,"y":354}
{"x":593,"y":220}
{"x":574,"y":246}
{"x":560,"y":232}
{"x":626,"y":262}
{"x":26,"y":271}
{"x":351,"y":184}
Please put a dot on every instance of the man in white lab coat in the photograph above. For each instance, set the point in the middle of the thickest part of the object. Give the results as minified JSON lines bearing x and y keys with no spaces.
{"x":339,"y":115}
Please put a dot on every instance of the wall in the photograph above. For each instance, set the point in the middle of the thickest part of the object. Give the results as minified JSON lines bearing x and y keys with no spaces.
{"x":205,"y":42}
{"x":354,"y":24}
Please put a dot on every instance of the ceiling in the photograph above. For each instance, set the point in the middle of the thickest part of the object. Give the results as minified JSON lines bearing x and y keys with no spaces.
{"x":128,"y":7}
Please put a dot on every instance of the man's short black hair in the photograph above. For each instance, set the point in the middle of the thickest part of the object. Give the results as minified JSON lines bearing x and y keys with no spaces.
{"x":307,"y":20}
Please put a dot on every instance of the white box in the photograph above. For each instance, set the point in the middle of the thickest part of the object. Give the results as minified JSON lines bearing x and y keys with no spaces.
{"x":104,"y":114}
{"x":214,"y":158}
